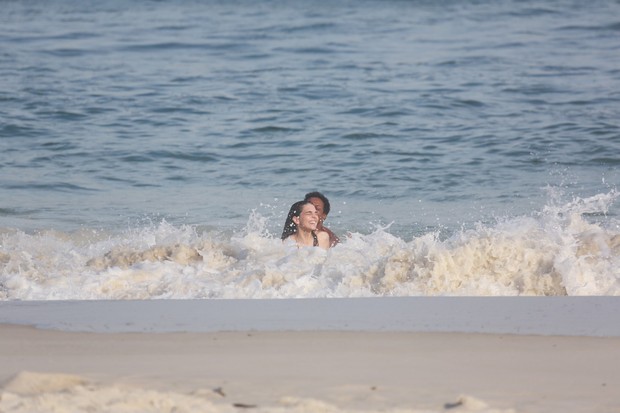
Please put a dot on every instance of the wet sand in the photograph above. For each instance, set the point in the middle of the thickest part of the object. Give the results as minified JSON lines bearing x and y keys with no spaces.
{"x":308,"y":370}
{"x":572,"y":316}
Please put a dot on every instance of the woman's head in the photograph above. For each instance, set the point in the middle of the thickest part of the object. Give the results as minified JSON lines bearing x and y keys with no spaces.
{"x":301,"y":215}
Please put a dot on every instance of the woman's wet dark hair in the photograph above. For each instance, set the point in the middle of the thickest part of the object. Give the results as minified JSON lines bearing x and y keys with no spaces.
{"x":322,"y":197}
{"x":289,"y":226}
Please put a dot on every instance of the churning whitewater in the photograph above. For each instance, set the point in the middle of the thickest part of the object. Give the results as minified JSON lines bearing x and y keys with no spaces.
{"x":561,"y":250}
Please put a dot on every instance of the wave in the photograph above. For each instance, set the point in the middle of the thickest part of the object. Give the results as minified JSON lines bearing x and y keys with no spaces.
{"x":570,"y":248}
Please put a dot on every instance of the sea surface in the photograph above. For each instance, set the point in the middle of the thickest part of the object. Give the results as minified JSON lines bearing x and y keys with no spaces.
{"x":151,"y":149}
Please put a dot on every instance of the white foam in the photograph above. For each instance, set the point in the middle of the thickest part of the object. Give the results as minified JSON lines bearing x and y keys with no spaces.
{"x":565,"y":249}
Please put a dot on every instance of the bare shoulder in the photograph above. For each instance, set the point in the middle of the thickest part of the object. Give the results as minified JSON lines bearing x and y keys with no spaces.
{"x":333,"y":238}
{"x":323,"y":238}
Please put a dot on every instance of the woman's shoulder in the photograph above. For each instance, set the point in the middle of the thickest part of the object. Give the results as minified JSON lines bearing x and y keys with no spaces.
{"x":323,"y":238}
{"x":289,"y":239}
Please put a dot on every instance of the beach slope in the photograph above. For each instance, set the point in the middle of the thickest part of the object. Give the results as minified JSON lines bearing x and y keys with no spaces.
{"x":305,"y":371}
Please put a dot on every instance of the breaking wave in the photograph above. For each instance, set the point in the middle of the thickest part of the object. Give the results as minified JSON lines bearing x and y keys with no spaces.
{"x":570,"y":248}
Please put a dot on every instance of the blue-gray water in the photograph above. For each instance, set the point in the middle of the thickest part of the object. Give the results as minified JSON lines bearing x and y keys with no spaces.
{"x":467,"y":147}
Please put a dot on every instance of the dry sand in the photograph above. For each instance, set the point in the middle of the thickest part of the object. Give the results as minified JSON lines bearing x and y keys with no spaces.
{"x":305,"y":371}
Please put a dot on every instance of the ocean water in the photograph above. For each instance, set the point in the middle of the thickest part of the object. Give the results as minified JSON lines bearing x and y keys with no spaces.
{"x":151,"y":149}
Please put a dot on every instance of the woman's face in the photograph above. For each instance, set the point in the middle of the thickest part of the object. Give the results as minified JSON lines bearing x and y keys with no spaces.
{"x":308,"y":218}
{"x":319,"y":205}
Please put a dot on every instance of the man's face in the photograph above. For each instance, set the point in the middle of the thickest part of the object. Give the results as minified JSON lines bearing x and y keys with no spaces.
{"x":318,"y":204}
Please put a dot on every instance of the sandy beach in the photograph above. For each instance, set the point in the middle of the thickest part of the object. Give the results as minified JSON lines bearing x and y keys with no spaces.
{"x":305,"y":371}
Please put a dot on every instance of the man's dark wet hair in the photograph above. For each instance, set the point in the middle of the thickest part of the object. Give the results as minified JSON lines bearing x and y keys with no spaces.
{"x":322,"y":197}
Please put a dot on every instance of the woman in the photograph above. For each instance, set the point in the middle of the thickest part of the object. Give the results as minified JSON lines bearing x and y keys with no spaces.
{"x":321,"y":203}
{"x":300,"y":226}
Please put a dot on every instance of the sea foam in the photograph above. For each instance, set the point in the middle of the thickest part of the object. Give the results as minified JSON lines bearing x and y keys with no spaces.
{"x":571,"y":248}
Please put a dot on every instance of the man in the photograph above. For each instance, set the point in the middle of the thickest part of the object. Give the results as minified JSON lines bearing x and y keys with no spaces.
{"x":321,"y":203}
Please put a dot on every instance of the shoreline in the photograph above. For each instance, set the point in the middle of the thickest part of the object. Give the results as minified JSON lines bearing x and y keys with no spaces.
{"x":415,"y":354}
{"x":328,"y":371}
{"x":553,"y":316}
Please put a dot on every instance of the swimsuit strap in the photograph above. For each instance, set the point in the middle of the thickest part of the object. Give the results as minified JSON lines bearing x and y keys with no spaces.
{"x":315,"y":243}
